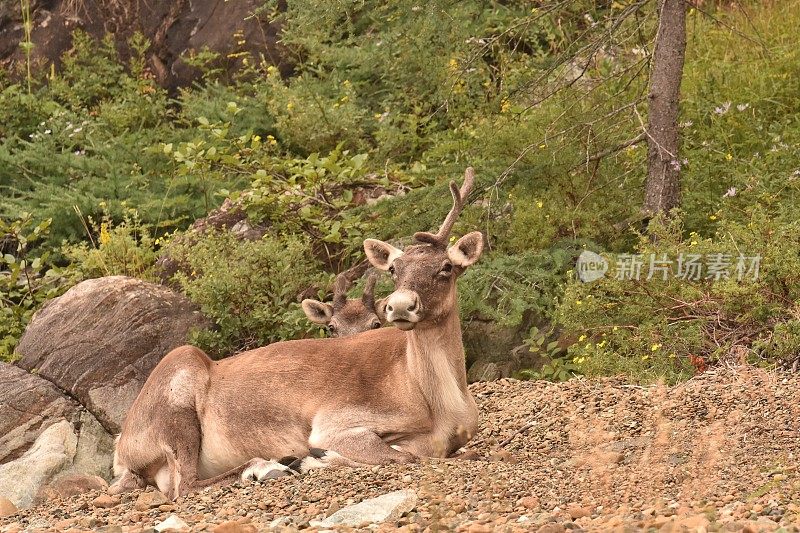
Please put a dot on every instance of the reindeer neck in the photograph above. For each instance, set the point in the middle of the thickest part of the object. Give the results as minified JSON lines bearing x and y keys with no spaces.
{"x":435,"y":357}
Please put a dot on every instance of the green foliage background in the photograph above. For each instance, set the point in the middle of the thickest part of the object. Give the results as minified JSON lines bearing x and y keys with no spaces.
{"x":399,"y":98}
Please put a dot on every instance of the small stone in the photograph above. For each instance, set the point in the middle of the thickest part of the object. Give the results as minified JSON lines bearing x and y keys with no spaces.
{"x":552,"y":527}
{"x":502,"y":456}
{"x":479,"y":528}
{"x":150,"y":500}
{"x":234,"y":527}
{"x":388,"y":507}
{"x":172,"y":522}
{"x":104,"y":501}
{"x":576,"y":511}
{"x":7,"y":507}
{"x":529,"y":502}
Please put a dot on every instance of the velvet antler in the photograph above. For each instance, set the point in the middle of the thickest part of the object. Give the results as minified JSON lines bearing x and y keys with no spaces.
{"x":369,"y":291}
{"x":340,"y":287}
{"x":459,"y":199}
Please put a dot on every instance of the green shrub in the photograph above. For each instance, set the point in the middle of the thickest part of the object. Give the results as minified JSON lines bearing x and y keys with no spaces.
{"x":248,"y":288}
{"x":27,"y":279}
{"x":662,"y":328}
{"x":125,"y":249}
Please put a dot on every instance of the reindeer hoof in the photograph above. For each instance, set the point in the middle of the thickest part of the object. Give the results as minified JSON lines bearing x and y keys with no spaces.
{"x":261,"y":470}
{"x":317,"y":452}
{"x":319,"y":458}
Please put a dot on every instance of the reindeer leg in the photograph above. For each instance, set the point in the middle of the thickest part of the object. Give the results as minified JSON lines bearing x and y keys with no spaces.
{"x":354,"y":447}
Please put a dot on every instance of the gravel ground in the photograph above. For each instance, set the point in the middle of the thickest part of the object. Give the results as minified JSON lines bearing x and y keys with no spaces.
{"x":718,"y":453}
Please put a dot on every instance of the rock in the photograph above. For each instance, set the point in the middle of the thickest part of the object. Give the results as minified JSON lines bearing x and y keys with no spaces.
{"x":576,"y":511}
{"x":192,"y":26}
{"x":69,"y":485}
{"x":7,"y":507}
{"x":95,"y":452}
{"x":389,"y":506}
{"x":234,"y":527}
{"x":483,"y":370}
{"x":100,"y":340}
{"x":21,"y":479}
{"x":173,"y":522}
{"x":551,"y":528}
{"x":29,"y":405}
{"x":150,"y":500}
{"x":529,"y":502}
{"x":104,"y":501}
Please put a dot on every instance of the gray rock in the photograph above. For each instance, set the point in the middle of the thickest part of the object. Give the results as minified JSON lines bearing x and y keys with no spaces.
{"x":171,"y":522}
{"x":94,"y":454}
{"x":29,"y":405}
{"x":390,"y":506}
{"x":150,"y":500}
{"x":21,"y":479}
{"x":68,"y":485}
{"x":482,"y":370}
{"x":99,"y":341}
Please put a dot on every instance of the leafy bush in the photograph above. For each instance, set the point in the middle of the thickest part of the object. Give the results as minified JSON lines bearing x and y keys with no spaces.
{"x":248,"y":288}
{"x":664,"y":326}
{"x":125,"y":249}
{"x":27,"y":279}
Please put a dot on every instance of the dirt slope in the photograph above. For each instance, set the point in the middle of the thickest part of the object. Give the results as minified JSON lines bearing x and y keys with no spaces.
{"x":717,"y":453}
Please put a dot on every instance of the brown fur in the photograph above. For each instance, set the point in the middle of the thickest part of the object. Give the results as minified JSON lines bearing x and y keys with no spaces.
{"x":381,"y":396}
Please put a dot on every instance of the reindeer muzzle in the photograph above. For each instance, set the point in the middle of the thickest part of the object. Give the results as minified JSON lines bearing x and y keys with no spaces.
{"x":402,"y":309}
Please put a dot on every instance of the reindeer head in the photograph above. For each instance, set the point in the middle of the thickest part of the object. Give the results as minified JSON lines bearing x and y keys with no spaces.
{"x":425,"y":274}
{"x":345,"y":316}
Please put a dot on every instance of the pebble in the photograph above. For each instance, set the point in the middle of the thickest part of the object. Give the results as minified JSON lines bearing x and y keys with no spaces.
{"x":598,"y":455}
{"x":104,"y":501}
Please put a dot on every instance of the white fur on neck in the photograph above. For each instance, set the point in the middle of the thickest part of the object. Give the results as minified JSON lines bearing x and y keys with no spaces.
{"x":435,"y":357}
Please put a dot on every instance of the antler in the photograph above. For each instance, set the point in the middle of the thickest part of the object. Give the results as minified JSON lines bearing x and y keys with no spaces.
{"x":459,"y":199}
{"x":340,"y":288}
{"x":369,"y":291}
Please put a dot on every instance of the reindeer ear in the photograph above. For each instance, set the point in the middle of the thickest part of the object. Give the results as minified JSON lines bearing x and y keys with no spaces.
{"x":317,"y":312}
{"x":381,"y":254}
{"x":467,"y":249}
{"x":380,"y":309}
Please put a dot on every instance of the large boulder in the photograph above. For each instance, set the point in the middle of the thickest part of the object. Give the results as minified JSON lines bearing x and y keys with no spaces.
{"x":54,"y":450}
{"x":99,"y":341}
{"x":175,"y":30}
{"x":28,"y":405}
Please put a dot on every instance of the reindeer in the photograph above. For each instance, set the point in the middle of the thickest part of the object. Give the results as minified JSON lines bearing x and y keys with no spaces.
{"x":345,"y":316}
{"x":382,"y":396}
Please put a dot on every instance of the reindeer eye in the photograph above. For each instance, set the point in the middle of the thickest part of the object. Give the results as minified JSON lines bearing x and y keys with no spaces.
{"x":391,"y":270}
{"x":447,"y":268}
{"x":331,"y":329}
{"x":376,"y":325}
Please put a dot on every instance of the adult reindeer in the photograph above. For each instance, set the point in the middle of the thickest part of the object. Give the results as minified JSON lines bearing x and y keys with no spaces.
{"x":386,"y":395}
{"x":346,"y":316}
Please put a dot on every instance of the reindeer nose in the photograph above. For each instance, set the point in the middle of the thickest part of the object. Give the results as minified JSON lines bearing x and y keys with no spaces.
{"x":409,"y":307}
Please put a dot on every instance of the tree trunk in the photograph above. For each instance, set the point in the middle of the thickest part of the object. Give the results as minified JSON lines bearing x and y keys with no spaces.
{"x":662,"y":191}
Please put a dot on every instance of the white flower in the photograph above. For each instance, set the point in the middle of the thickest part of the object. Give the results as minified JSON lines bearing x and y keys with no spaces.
{"x":730,"y":193}
{"x":687,"y":124}
{"x":742,"y":107}
{"x":721,"y":110}
{"x":47,"y":132}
